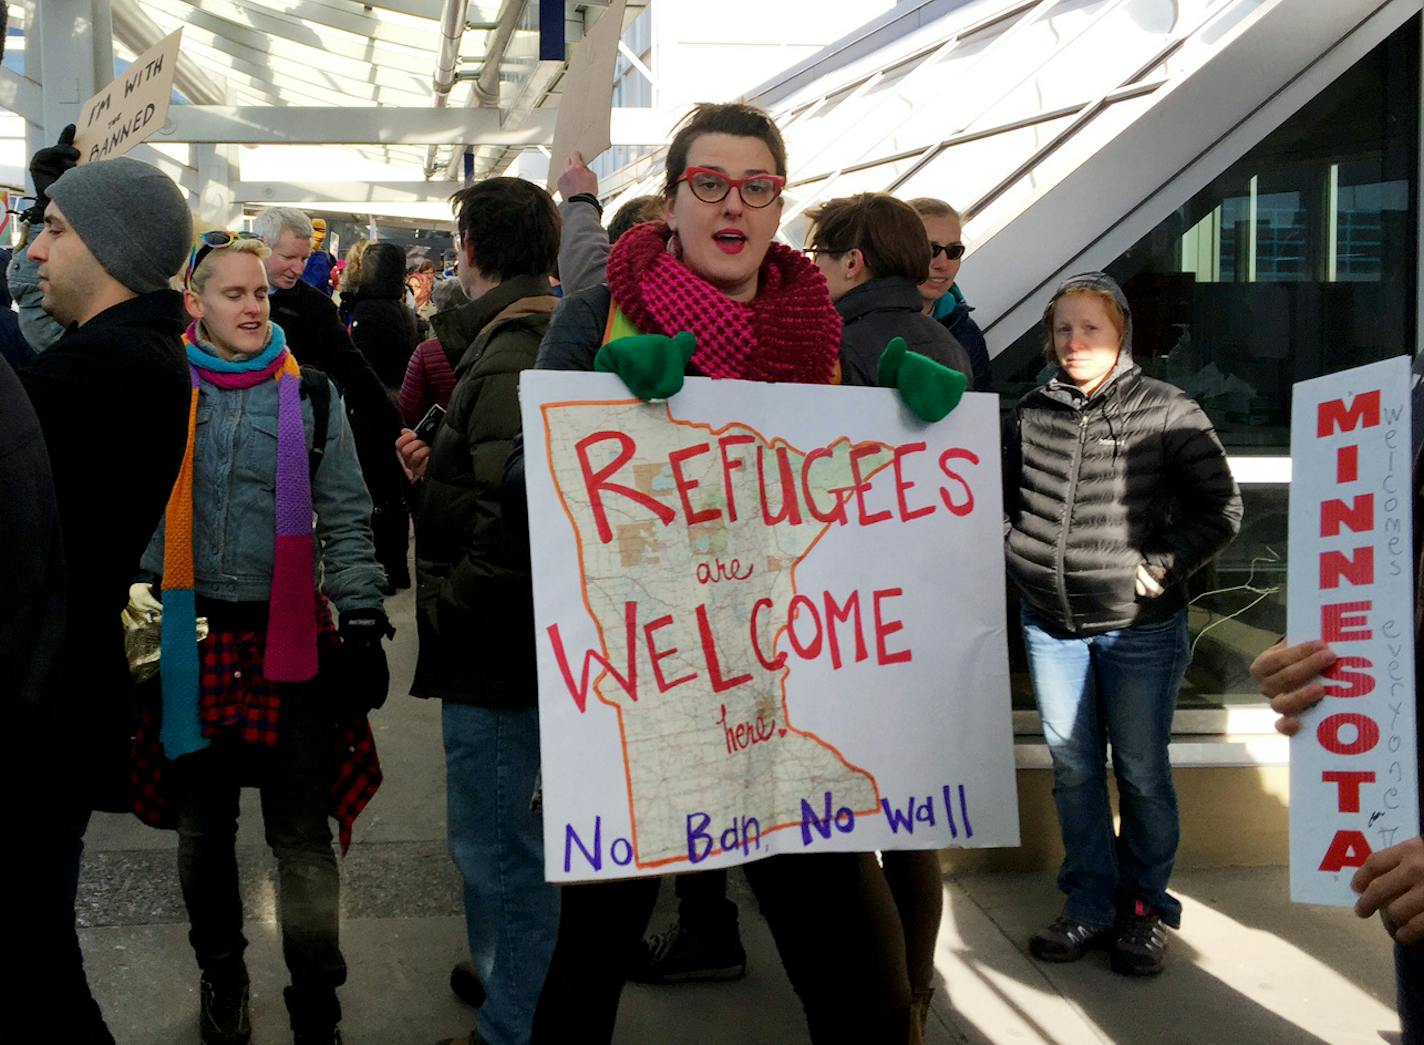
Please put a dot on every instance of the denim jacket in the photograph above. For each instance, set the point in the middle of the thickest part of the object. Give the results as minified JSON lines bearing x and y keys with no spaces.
{"x":234,"y":503}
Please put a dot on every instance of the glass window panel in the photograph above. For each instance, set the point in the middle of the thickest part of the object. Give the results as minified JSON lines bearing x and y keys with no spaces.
{"x":963,"y":173}
{"x":1195,"y":50}
{"x":1065,"y":158}
{"x":1101,"y":59}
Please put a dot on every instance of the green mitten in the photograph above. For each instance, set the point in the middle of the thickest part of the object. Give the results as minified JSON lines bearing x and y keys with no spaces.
{"x":651,"y":365}
{"x":931,"y":390}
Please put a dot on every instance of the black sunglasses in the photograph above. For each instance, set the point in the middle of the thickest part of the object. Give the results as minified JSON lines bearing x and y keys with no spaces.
{"x":952,"y":251}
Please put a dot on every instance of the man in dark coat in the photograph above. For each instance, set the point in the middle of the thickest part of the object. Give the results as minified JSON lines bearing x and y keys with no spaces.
{"x":318,"y":337}
{"x":475,"y":599}
{"x":114,"y":233}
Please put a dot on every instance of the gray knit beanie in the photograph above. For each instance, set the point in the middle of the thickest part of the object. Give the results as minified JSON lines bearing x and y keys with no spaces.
{"x":131,"y":217}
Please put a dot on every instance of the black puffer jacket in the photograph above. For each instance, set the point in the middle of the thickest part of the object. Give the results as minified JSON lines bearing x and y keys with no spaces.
{"x":382,"y":325}
{"x":475,"y":597}
{"x":886,"y":308}
{"x":1096,"y":485}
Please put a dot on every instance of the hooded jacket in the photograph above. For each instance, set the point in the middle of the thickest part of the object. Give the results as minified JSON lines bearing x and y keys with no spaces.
{"x":1096,"y":485}
{"x":474,"y":594}
{"x":382,"y":327}
{"x":885,"y":308}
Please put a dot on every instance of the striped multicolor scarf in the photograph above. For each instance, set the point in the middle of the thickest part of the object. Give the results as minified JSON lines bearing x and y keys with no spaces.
{"x":290,"y":651}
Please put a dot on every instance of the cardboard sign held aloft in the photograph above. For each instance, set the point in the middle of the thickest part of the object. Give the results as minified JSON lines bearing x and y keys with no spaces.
{"x":1353,"y":763}
{"x":586,"y":94}
{"x":131,"y":108}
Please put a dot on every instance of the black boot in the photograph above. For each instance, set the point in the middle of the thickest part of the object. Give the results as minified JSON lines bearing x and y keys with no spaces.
{"x":223,"y":1018}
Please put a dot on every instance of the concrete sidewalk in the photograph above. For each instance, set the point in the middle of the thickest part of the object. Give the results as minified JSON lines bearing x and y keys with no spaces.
{"x":1247,"y":967}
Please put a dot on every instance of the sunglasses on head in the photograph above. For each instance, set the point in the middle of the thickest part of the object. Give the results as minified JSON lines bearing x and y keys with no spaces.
{"x":952,"y":251}
{"x":709,"y":186}
{"x":208,"y":242}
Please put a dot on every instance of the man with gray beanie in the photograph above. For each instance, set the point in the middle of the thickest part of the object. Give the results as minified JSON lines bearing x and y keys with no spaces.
{"x":112,"y":399}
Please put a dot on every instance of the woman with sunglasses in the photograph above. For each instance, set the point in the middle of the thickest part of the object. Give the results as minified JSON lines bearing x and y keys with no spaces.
{"x":871,"y":249}
{"x":270,"y":695}
{"x":757,"y":310}
{"x":940,"y":295}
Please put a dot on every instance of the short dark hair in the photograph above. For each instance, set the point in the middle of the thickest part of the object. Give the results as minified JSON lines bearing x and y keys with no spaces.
{"x":636,"y":211}
{"x":888,"y":232}
{"x":512,"y":225}
{"x":744,"y":121}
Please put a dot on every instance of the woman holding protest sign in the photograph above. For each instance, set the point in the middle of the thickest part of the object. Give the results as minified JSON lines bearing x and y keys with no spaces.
{"x":1116,"y":490}
{"x":709,"y":293}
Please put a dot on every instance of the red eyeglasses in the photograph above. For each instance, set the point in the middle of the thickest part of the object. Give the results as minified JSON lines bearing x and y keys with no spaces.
{"x":756,"y":191}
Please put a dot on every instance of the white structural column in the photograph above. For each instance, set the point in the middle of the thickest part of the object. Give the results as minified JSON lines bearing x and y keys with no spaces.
{"x":69,"y":57}
{"x":214,"y":203}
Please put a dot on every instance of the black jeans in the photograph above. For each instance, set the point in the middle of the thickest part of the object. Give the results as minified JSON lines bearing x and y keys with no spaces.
{"x":295,"y":781}
{"x":1409,"y":967}
{"x":51,"y":994}
{"x":702,"y":904}
{"x":835,"y":927}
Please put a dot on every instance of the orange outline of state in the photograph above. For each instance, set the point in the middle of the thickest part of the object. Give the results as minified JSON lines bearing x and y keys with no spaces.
{"x":544,"y":410}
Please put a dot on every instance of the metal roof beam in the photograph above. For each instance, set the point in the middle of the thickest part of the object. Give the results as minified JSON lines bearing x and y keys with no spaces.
{"x":302,"y":46}
{"x":21,"y":96}
{"x":391,"y":125}
{"x":322,"y":191}
{"x":260,"y":62}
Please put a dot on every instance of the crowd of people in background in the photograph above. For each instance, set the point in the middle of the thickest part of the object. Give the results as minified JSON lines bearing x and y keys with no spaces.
{"x":227,"y":436}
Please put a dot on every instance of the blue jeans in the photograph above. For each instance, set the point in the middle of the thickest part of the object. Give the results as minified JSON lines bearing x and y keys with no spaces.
{"x":1119,"y":687}
{"x":497,"y":842}
{"x":1409,"y":967}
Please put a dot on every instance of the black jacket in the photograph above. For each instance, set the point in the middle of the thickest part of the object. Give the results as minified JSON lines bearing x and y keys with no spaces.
{"x":885,"y":308}
{"x":31,"y":561}
{"x":1096,"y":485}
{"x":318,"y":338}
{"x":382,"y":327}
{"x":475,"y":596}
{"x":112,"y":399}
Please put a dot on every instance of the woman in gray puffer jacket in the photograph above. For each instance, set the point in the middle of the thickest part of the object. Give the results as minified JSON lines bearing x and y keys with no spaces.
{"x":1116,"y":491}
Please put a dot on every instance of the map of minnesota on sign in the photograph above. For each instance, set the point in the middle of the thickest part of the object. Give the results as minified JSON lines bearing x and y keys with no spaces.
{"x":770,"y":619}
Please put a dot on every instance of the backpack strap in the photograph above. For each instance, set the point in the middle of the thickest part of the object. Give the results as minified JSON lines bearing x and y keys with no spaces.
{"x":317,"y":388}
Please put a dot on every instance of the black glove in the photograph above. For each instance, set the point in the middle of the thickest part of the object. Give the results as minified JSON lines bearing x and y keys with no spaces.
{"x":363,"y":677}
{"x":45,"y":168}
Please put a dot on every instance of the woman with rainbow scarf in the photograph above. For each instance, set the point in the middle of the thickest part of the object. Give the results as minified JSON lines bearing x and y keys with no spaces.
{"x":271,"y":695}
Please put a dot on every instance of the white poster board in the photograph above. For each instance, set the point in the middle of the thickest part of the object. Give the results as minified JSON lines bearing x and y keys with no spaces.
{"x":133,"y":107}
{"x":1353,"y":763}
{"x":770,"y":619}
{"x":586,"y":94}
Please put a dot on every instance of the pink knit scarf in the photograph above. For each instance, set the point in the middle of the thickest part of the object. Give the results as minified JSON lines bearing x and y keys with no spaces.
{"x":789,"y":332}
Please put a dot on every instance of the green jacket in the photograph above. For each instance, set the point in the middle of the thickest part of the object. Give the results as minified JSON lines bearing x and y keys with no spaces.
{"x":474,"y":596}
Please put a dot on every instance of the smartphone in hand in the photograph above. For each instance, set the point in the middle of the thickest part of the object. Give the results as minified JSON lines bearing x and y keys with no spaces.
{"x":430,"y":424}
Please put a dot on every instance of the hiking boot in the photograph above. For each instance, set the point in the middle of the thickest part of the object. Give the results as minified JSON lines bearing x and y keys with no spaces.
{"x":1141,"y":942}
{"x":223,"y":1017}
{"x":1066,"y":940}
{"x":465,"y":982}
{"x":322,"y":1036}
{"x":678,"y":955}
